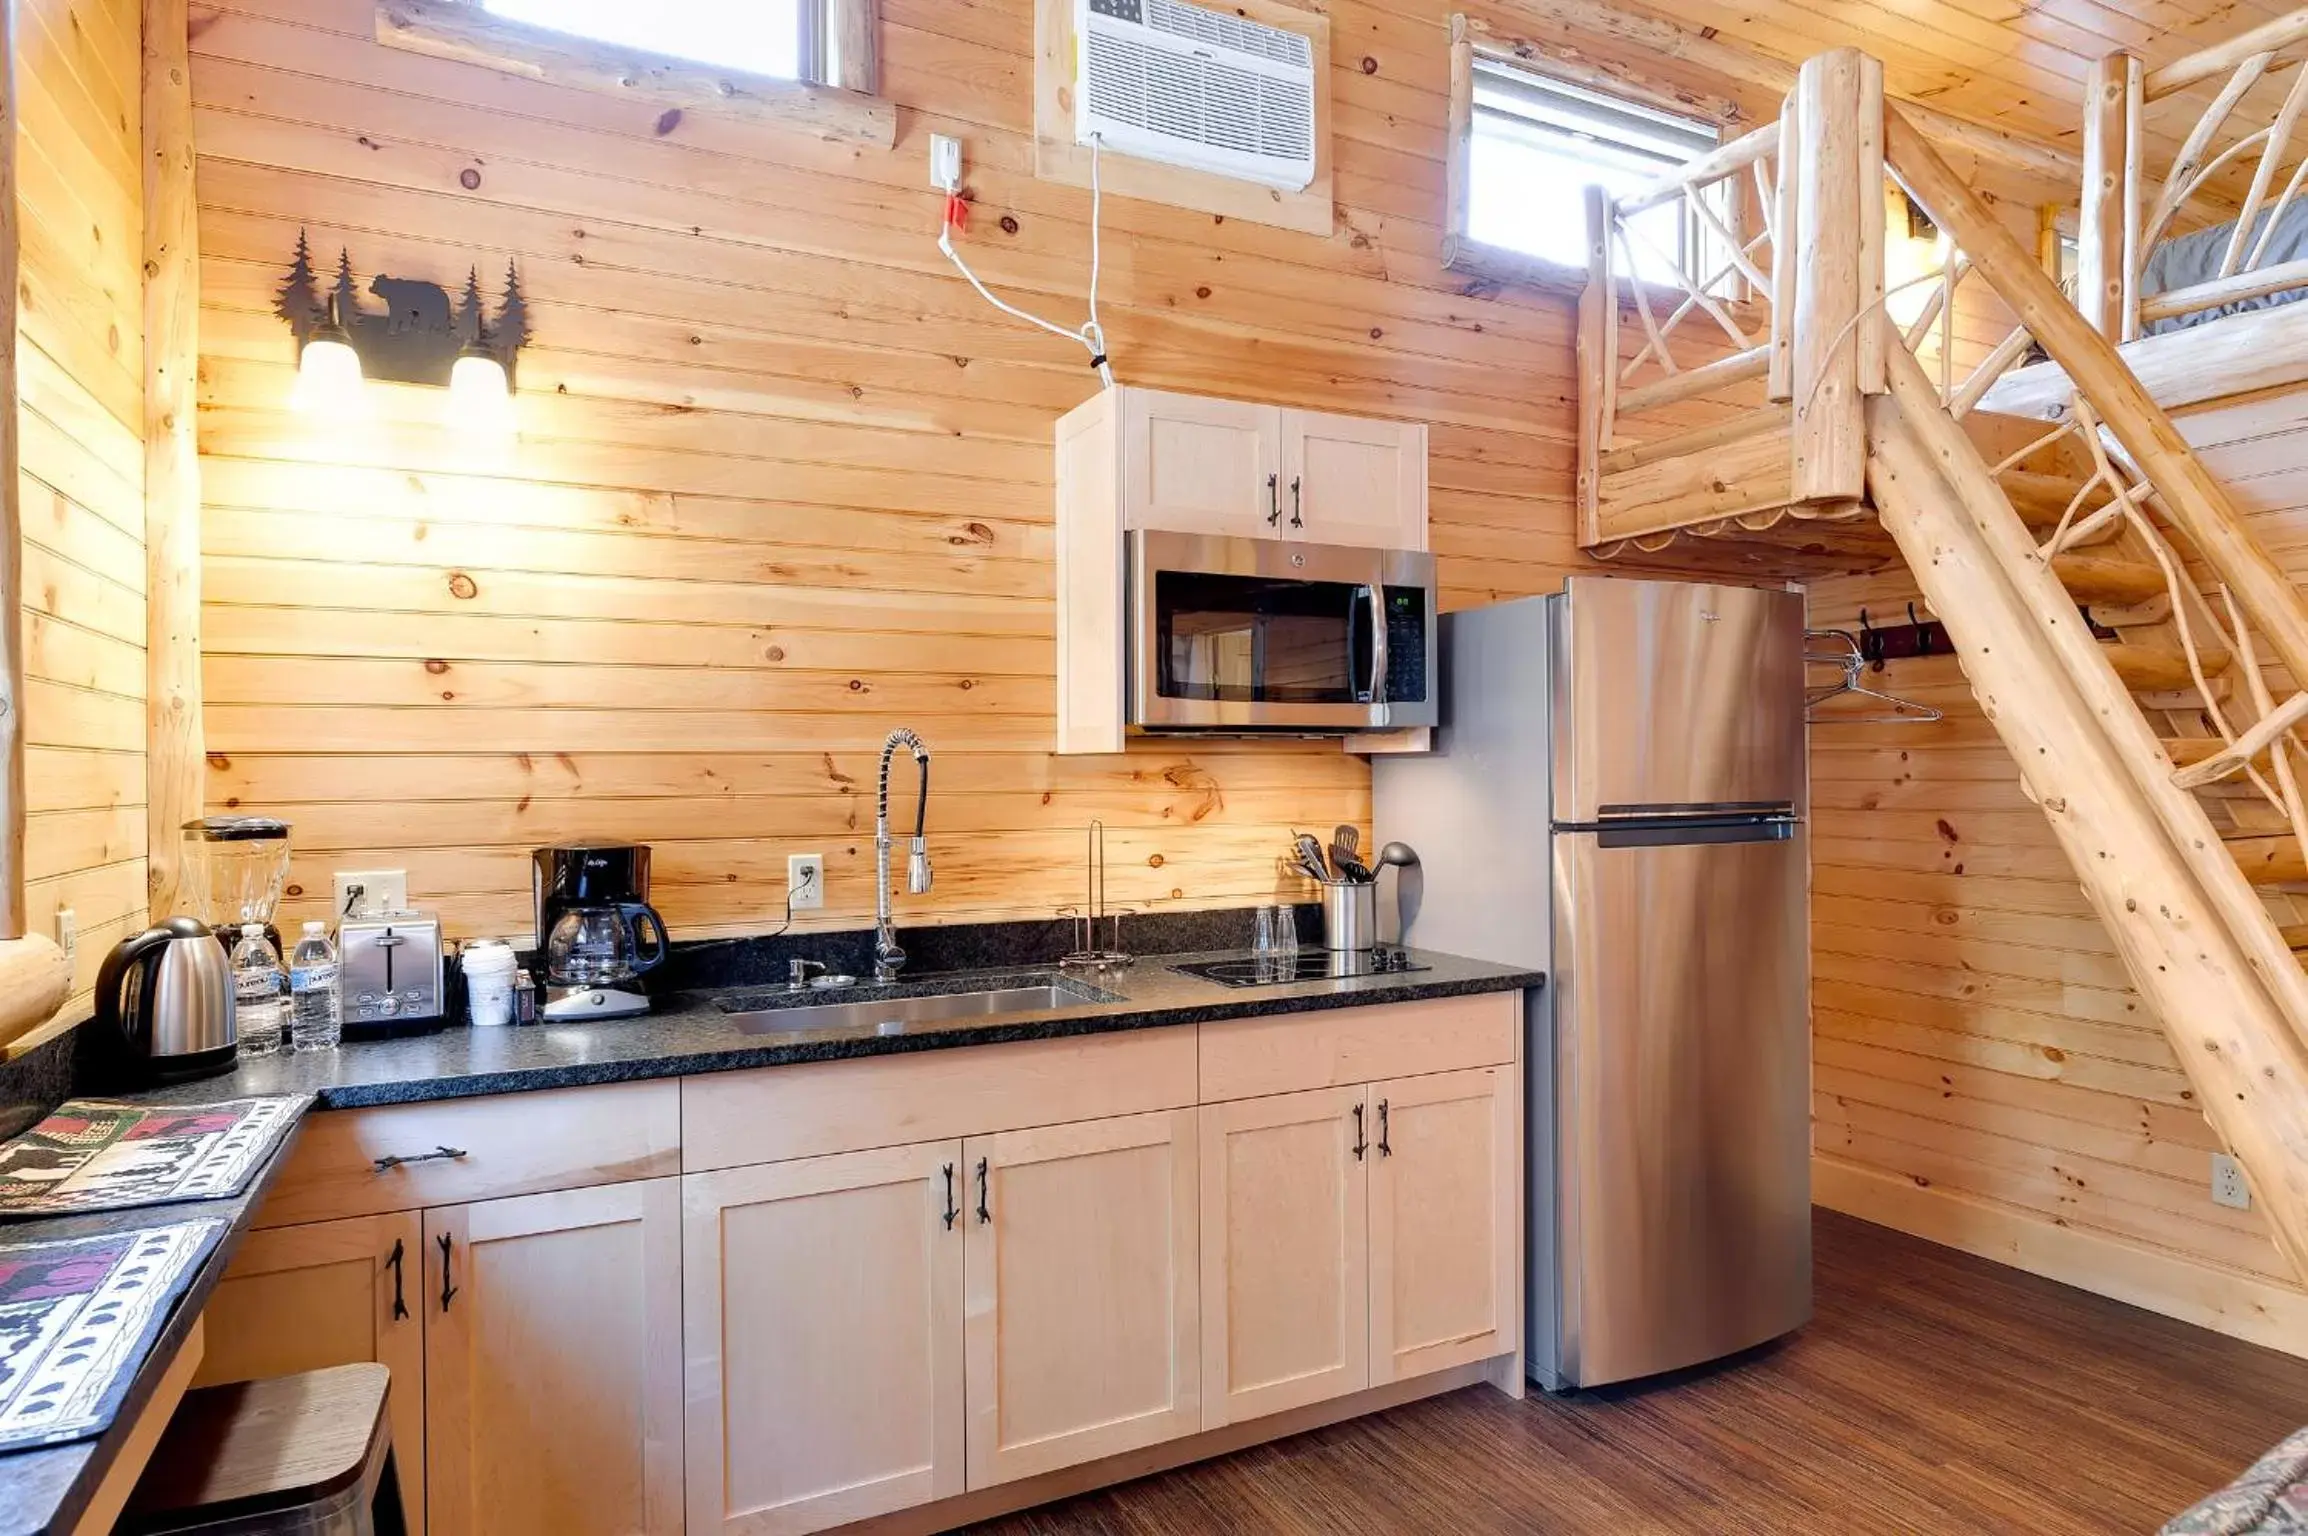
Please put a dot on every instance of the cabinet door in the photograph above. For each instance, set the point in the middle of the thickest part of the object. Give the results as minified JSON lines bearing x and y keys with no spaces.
{"x":1081,"y":1336}
{"x":553,"y":1363}
{"x":1445,"y":1222}
{"x":330,"y":1293}
{"x":1285,"y":1309}
{"x":823,"y":1317}
{"x":1347,"y":480}
{"x":1191,"y":465}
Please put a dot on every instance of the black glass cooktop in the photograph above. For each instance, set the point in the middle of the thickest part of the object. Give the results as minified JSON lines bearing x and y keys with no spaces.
{"x":1306,"y":965}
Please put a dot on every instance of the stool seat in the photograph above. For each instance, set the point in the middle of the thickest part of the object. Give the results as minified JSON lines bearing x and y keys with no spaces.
{"x":309,"y":1452}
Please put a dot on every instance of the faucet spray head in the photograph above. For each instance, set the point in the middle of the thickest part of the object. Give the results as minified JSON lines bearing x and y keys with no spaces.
{"x":918,"y":868}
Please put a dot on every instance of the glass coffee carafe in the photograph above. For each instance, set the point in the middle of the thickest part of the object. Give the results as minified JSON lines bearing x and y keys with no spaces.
{"x":603,"y":946}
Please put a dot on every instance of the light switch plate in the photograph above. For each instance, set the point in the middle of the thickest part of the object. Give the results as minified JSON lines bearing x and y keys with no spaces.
{"x":380,"y":890}
{"x":2228,"y":1186}
{"x":68,"y":934}
{"x":805,"y":880}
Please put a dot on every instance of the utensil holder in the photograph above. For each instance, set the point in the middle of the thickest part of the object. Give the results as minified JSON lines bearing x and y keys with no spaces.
{"x":1349,"y":916}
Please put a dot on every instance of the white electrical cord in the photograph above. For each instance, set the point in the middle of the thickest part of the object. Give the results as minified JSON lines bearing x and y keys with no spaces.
{"x":1091,"y":335}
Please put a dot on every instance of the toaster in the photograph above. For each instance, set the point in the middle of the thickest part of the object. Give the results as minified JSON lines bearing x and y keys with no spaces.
{"x":391,"y":970}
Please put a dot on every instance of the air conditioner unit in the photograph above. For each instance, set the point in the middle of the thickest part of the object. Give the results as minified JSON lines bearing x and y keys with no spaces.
{"x":1168,"y":81}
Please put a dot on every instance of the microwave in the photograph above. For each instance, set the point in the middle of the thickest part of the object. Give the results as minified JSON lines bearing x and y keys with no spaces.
{"x":1250,"y":636}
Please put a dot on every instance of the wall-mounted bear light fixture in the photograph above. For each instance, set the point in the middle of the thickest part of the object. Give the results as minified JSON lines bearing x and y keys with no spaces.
{"x":418,"y":337}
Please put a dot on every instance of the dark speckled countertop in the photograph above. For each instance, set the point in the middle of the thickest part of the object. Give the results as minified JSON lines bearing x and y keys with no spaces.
{"x":690,"y":1034}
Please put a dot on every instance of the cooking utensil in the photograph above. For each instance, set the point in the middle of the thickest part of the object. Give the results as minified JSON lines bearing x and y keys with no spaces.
{"x":1310,"y":855}
{"x":1347,"y":837}
{"x":1400,"y":855}
{"x":1350,"y":868}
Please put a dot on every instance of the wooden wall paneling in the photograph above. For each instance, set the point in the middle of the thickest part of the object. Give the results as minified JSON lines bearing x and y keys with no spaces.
{"x":782,"y":480}
{"x":175,"y":757}
{"x":78,"y":418}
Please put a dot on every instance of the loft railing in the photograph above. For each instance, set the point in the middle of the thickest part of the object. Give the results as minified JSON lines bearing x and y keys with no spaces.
{"x":2135,"y":199}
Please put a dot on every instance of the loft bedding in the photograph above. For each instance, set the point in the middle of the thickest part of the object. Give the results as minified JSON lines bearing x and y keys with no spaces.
{"x":2186,"y":260}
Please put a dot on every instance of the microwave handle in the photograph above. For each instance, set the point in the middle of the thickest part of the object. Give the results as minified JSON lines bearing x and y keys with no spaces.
{"x":1378,"y":666}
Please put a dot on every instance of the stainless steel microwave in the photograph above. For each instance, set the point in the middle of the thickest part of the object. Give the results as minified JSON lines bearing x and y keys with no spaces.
{"x":1256,"y":635}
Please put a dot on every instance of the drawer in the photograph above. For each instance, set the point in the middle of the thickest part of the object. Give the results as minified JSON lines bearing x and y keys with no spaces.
{"x":729,"y":1119}
{"x":513,"y":1144}
{"x":1296,"y":1051}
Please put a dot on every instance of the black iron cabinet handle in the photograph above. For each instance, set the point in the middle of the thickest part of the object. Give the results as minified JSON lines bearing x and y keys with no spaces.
{"x":1295,"y":520}
{"x":984,"y":1215}
{"x":390,"y":1161}
{"x":1274,"y":501}
{"x":952,"y":1210}
{"x":1384,"y":1148}
{"x":1360,"y":1144}
{"x":400,"y":1301}
{"x":447,"y":1290}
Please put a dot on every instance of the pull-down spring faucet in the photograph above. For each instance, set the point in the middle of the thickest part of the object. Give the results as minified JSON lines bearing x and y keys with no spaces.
{"x":889,"y":959}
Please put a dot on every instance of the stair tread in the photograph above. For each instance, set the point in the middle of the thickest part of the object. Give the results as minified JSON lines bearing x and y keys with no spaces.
{"x":2158,"y":669}
{"x":2269,"y":858}
{"x":2108,"y":580}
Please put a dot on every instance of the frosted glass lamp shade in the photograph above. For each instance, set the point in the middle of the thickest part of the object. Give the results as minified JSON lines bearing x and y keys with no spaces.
{"x":479,"y":397}
{"x":328,"y":378}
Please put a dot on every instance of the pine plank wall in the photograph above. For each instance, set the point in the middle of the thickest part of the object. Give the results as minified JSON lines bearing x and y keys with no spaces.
{"x":82,"y":468}
{"x":784,"y":482}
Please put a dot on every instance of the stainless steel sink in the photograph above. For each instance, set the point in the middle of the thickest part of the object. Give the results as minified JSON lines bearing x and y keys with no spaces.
{"x":761,"y":1013}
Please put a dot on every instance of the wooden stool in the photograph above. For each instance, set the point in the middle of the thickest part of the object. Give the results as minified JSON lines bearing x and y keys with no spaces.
{"x":303,"y":1455}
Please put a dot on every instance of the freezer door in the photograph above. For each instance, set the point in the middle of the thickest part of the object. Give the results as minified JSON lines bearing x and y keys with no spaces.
{"x":1683,"y":1087}
{"x":1676,"y":694}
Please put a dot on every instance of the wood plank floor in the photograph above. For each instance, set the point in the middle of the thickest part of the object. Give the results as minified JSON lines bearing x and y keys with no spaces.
{"x":1933,"y":1392}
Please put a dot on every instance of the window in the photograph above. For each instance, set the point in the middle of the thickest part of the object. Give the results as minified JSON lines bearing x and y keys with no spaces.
{"x":798,"y":64}
{"x":761,"y":37}
{"x":1530,"y":145}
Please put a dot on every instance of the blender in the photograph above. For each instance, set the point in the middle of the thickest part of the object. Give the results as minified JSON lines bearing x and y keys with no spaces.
{"x":235,"y":868}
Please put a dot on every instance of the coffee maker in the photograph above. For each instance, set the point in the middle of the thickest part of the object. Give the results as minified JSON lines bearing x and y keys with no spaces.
{"x":596,"y":929}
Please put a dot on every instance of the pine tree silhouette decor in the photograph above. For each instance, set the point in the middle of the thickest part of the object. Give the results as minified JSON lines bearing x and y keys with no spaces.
{"x":512,"y":329}
{"x":298,"y":300}
{"x":470,"y":325}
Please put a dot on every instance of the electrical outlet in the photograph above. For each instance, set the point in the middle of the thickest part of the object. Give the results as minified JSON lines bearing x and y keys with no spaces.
{"x":805,"y":880}
{"x":68,"y":934}
{"x":366,"y":892}
{"x":945,"y":162}
{"x":2228,"y":1186}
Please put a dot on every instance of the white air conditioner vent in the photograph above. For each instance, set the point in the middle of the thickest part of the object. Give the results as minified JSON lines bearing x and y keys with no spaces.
{"x":1168,"y":81}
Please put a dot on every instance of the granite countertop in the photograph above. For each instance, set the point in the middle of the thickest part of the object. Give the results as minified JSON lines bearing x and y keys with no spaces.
{"x":689,"y":1033}
{"x":48,"y":1489}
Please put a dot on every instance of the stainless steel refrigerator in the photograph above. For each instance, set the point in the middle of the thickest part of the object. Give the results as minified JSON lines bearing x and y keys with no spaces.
{"x":1617,"y":797}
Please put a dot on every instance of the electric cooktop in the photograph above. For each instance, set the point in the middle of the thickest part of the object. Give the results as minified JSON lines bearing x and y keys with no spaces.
{"x":1306,"y":965}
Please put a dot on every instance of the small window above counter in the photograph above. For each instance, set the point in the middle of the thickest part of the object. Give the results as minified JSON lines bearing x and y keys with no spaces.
{"x":1299,"y":489}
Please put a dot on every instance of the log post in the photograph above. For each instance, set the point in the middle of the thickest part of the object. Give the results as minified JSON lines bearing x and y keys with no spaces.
{"x":2100,"y":254}
{"x":175,"y":755}
{"x":1829,"y":437}
{"x":1598,"y":362}
{"x":2250,"y":1071}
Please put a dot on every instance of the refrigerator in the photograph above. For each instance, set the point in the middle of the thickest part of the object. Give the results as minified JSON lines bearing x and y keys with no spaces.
{"x":1617,"y":797}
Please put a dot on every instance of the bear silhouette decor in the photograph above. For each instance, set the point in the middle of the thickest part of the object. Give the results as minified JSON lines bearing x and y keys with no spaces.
{"x":405,"y":329}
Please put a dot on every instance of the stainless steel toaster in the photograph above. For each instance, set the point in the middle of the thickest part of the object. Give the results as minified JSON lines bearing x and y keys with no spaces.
{"x":390,"y":968}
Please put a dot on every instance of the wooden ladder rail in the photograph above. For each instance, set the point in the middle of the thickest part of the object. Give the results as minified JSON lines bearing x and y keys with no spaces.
{"x":2137,"y":841}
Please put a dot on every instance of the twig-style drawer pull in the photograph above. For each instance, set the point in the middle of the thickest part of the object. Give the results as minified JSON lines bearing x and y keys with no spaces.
{"x":952,"y":1210}
{"x":1385,"y":1148}
{"x":392,"y":1160}
{"x":984,"y":1215}
{"x":400,"y":1300}
{"x":448,"y":1246}
{"x":1361,"y":1145}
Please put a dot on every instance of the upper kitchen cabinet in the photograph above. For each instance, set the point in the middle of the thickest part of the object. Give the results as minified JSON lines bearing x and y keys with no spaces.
{"x":1145,"y":458}
{"x":1351,"y":480}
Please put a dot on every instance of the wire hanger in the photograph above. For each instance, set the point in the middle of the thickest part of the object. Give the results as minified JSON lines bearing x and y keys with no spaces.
{"x":1837,"y":648}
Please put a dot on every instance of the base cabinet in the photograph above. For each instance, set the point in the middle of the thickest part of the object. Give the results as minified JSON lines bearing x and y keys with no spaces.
{"x":823,"y":1339}
{"x":1285,"y":1255}
{"x":330,"y":1293}
{"x":1445,"y":1221}
{"x":553,"y":1363}
{"x":1083,"y":1298}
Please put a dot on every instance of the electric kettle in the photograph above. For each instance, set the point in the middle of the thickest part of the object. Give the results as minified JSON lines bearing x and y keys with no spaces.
{"x":166,"y":996}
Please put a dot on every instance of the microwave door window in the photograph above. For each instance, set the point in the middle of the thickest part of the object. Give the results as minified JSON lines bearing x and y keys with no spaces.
{"x":1258,"y":640}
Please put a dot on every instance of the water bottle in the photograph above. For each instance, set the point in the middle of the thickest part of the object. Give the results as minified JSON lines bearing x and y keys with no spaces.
{"x":260,"y":1004}
{"x":315,"y":1020}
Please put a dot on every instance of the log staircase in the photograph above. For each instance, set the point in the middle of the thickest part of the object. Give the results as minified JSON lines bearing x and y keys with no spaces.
{"x":2139,"y":654}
